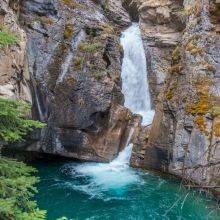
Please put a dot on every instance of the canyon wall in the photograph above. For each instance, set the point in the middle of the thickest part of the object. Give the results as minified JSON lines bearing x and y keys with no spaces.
{"x":182,"y":46}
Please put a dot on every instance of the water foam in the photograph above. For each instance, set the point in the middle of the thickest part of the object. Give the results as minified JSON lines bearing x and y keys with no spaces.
{"x":114,"y":175}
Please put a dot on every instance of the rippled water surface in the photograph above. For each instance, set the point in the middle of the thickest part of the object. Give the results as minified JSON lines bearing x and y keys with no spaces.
{"x":104,"y":191}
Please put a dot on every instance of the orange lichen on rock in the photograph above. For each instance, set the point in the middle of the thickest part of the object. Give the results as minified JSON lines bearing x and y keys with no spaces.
{"x":68,"y":31}
{"x":201,"y":123}
{"x":207,"y":65}
{"x":203,"y":104}
{"x":216,"y":126}
{"x":193,"y":49}
{"x":72,"y":4}
{"x":175,"y":69}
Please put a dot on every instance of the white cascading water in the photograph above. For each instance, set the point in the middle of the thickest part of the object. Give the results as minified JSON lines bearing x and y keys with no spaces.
{"x":134,"y":75}
{"x":117,"y":174}
{"x":113,"y":175}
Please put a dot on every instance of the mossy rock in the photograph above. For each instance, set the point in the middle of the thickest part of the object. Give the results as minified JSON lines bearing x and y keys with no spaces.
{"x":68,"y":31}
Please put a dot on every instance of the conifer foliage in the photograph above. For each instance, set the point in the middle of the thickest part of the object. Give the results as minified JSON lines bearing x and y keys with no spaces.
{"x":16,"y":179}
{"x":16,"y":191}
{"x":13,"y":125}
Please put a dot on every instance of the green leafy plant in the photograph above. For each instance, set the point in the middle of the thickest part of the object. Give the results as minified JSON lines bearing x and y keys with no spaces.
{"x":13,"y":123}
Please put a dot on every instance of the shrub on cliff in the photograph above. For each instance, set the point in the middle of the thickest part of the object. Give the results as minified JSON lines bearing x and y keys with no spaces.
{"x":16,"y":183}
{"x":7,"y":38}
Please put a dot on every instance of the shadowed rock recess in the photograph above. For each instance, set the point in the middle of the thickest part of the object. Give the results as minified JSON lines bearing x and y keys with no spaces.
{"x":67,"y":63}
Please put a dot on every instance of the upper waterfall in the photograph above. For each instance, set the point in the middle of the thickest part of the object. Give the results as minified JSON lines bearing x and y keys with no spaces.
{"x":134,"y":74}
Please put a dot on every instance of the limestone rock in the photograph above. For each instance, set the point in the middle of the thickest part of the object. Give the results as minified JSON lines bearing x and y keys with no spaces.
{"x":13,"y":71}
{"x":184,"y":137}
{"x":74,"y":59}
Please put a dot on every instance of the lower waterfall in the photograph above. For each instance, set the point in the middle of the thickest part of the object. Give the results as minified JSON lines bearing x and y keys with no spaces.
{"x":108,"y":176}
{"x":134,"y":74}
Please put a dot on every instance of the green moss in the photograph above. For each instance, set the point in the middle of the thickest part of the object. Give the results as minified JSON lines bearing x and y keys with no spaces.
{"x":216,"y":111}
{"x":78,"y":63}
{"x":7,"y":38}
{"x":89,"y":47}
{"x":170,"y":93}
{"x":99,"y":74}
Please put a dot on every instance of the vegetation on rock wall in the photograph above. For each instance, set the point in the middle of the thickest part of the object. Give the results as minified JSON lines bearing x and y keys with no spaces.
{"x":7,"y":38}
{"x":89,"y":47}
{"x":68,"y":31}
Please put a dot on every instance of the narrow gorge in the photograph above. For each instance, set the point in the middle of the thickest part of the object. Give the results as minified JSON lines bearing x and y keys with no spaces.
{"x":129,"y":96}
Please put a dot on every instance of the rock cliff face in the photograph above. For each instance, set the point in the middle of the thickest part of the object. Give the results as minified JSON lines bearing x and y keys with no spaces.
{"x":73,"y":57}
{"x":182,"y":43}
{"x":13,"y":67}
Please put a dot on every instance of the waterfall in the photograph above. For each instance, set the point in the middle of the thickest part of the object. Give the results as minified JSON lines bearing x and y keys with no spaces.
{"x":117,"y":174}
{"x":134,"y":74}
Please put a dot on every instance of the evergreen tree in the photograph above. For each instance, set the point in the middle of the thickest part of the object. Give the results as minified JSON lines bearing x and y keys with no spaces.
{"x":16,"y":180}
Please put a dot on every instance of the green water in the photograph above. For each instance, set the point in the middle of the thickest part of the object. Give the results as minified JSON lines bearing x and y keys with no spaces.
{"x":94,"y":191}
